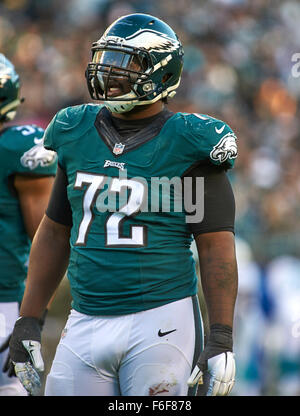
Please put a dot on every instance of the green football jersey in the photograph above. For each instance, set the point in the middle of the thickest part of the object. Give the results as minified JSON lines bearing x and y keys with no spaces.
{"x":21,"y":152}
{"x":130,"y":241}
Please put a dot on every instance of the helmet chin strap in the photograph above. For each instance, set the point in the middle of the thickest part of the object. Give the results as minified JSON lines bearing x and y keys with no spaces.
{"x":125,"y":106}
{"x":122,"y":106}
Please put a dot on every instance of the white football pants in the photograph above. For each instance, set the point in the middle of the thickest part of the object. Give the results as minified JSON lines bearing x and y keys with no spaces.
{"x":149,"y":353}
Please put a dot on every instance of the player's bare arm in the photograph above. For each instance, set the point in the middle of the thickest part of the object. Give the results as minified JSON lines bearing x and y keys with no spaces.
{"x":219,"y":278}
{"x":33,"y":193}
{"x":50,"y":247}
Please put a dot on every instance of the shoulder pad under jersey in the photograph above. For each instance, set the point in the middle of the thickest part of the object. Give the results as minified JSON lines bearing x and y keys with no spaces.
{"x":70,"y":124}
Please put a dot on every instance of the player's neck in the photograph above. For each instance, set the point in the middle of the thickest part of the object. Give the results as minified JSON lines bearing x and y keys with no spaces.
{"x":140,"y":112}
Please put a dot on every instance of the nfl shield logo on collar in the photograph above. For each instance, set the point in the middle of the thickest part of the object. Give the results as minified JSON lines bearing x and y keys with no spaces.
{"x":118,"y":148}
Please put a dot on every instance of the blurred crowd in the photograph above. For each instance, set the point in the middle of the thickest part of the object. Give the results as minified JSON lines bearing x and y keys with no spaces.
{"x":241,"y":67}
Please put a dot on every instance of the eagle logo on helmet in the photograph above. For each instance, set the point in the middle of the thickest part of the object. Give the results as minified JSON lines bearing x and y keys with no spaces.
{"x":149,"y":39}
{"x":153,"y":41}
{"x":225,"y":149}
{"x":38,"y":155}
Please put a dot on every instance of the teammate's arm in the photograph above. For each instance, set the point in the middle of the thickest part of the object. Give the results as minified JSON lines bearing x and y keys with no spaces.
{"x":48,"y":263}
{"x":50,"y":250}
{"x":33,"y":194}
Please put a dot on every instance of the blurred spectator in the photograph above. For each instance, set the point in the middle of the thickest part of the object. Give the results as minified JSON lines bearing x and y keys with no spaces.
{"x":249,"y":325}
{"x":282,"y":346}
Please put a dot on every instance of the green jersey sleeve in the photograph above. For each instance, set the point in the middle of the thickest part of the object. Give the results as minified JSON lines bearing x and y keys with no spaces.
{"x":49,"y":143}
{"x":214,"y":140}
{"x":28,"y":153}
{"x":54,"y":134}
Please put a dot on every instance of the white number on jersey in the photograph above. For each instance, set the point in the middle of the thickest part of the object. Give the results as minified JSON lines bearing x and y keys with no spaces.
{"x":113,"y":225}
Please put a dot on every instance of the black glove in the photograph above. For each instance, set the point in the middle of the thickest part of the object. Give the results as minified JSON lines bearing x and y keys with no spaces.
{"x":8,"y":366}
{"x":219,"y":341}
{"x":216,"y":358}
{"x":25,"y":353}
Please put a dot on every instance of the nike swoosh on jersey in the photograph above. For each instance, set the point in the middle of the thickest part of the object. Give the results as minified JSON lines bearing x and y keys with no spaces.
{"x":162,"y":334}
{"x":219,"y":131}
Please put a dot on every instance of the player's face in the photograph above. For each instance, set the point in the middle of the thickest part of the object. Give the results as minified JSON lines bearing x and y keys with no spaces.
{"x":115,"y":73}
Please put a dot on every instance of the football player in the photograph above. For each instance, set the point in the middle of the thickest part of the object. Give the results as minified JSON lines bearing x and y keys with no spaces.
{"x":135,"y":326}
{"x":27,"y":173}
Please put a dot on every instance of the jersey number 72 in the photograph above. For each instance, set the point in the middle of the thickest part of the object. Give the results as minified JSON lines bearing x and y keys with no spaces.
{"x":93,"y":184}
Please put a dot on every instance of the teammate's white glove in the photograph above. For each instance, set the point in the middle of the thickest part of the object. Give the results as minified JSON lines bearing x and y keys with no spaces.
{"x":25,"y":353}
{"x":218,"y":360}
